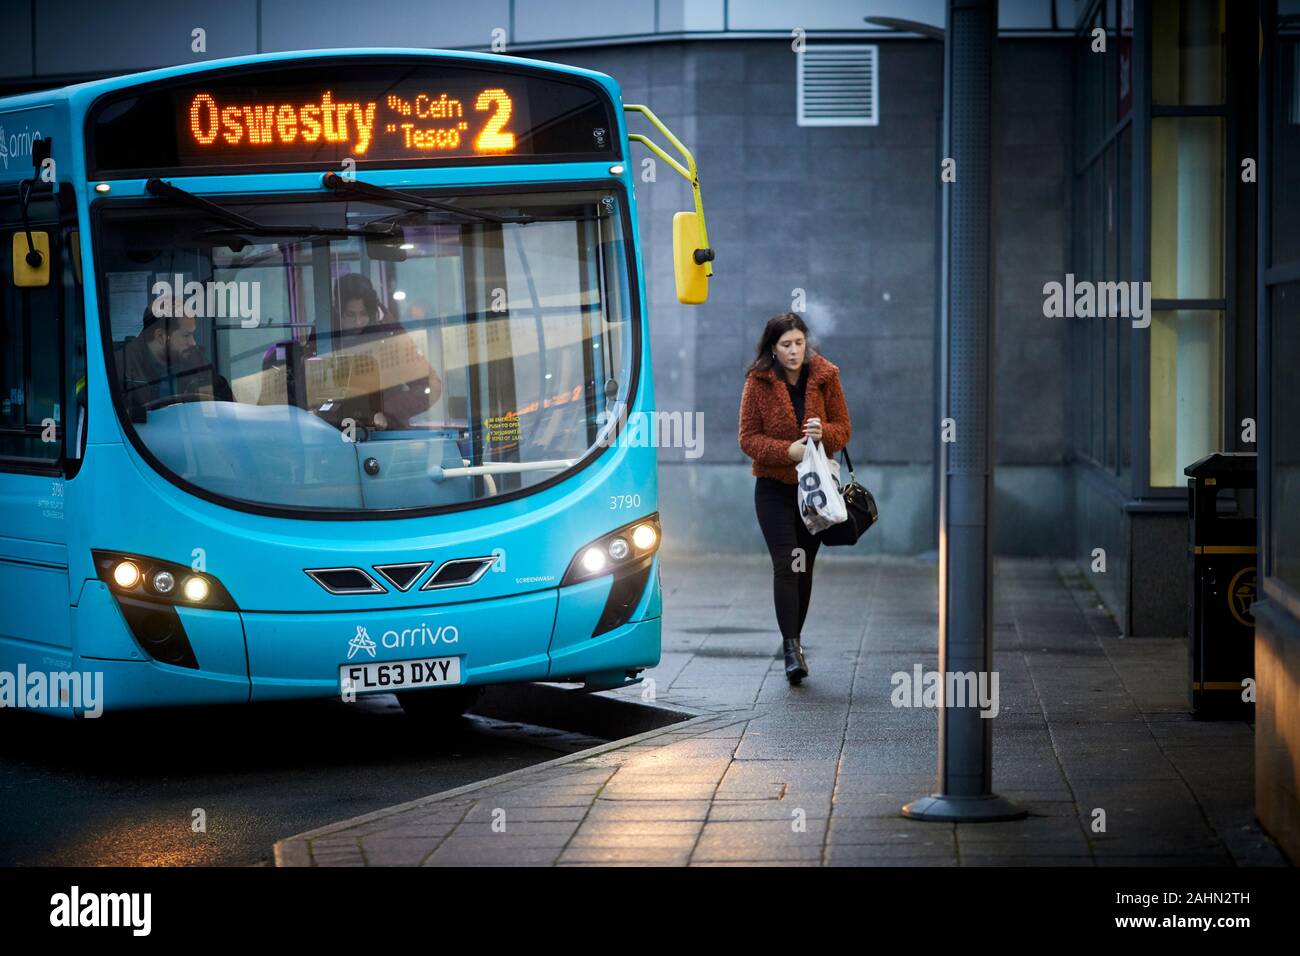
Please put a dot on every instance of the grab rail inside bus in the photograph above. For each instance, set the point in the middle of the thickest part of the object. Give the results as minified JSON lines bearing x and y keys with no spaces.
{"x":489,"y":482}
{"x":704,"y":254}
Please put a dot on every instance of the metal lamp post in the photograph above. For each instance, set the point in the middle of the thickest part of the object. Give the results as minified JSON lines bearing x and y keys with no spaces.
{"x":965,"y":778}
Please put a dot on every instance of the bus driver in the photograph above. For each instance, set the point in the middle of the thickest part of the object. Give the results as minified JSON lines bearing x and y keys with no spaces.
{"x":165,"y":360}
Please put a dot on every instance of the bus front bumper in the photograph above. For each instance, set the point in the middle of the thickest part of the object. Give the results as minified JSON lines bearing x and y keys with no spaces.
{"x":560,"y":634}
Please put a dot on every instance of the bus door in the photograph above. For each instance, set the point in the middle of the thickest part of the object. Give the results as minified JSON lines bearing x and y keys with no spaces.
{"x":42,"y":418}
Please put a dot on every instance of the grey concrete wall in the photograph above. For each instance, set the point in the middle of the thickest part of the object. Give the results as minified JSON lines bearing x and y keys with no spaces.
{"x":316,"y":24}
{"x":74,"y":37}
{"x":94,"y":37}
{"x":849,"y":215}
{"x":1033,"y":163}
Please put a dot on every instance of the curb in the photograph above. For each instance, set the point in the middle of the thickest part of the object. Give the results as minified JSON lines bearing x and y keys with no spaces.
{"x":569,"y":704}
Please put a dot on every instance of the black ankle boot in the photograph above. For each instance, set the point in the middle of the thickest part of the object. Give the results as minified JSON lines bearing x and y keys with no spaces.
{"x":796,"y":668}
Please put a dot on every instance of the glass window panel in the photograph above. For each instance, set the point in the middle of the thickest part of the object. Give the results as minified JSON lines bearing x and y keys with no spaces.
{"x":1124,"y":59}
{"x":1097,"y":220}
{"x":1286,"y":152}
{"x":1097,"y":388}
{"x":1084,"y":339}
{"x":1079,"y":372}
{"x":1123,"y":359}
{"x":1108,"y":220}
{"x":1187,"y":60}
{"x":1094,"y":64}
{"x":31,"y":354}
{"x":1110,"y":334}
{"x":1108,"y":72}
{"x":1123,"y":204}
{"x":1082,"y":238}
{"x":1284,"y":474}
{"x":1106,"y":393}
{"x":1186,"y":391}
{"x":1187,"y":207}
{"x":1096,"y":344}
{"x":1077,"y":358}
{"x":1123,"y":218}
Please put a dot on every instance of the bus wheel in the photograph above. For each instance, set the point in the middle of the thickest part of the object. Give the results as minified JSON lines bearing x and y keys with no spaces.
{"x":438,"y":706}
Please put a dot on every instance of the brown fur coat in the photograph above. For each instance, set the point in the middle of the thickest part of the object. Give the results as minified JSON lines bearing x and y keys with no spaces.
{"x":767,"y":422}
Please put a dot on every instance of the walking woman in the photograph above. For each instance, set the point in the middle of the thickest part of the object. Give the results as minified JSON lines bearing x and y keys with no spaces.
{"x":791,"y":392}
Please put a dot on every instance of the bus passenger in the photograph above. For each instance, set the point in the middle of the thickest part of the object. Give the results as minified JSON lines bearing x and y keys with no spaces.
{"x":358,"y":313}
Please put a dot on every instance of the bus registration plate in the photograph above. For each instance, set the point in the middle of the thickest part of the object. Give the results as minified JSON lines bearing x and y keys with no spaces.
{"x":386,"y":676}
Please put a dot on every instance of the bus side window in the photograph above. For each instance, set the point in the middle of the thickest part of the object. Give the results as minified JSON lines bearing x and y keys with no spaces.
{"x":33,"y":401}
{"x":74,"y":346}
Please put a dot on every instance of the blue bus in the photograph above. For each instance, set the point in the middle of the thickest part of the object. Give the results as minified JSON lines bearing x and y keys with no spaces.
{"x":315,"y":370}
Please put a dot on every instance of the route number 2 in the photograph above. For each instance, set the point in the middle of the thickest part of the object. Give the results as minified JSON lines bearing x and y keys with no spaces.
{"x":492,"y":139}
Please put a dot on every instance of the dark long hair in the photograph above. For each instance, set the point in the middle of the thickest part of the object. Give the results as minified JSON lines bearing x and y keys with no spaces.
{"x":353,"y":285}
{"x":776,"y":327}
{"x":383,"y":315}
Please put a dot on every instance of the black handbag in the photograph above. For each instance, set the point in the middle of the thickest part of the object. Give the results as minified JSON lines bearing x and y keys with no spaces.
{"x":861,"y":507}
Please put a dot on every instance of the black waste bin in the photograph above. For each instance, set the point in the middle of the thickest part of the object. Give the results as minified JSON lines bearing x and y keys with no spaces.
{"x":1221,"y":555}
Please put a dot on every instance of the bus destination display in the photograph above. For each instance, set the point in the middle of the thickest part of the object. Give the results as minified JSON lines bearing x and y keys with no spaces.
{"x":324,"y":115}
{"x":437,"y":122}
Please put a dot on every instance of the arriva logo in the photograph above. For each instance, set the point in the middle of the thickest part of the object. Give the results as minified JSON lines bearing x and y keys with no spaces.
{"x":420,"y":636}
{"x":17,"y":145}
{"x":361,"y":642}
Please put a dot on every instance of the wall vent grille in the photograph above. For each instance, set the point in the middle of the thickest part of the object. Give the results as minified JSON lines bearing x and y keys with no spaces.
{"x":838,"y":84}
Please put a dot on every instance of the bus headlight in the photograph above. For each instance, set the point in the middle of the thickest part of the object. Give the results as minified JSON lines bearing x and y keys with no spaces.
{"x":622,"y":549}
{"x":196,"y":589}
{"x":126,"y":575}
{"x":154,"y":580}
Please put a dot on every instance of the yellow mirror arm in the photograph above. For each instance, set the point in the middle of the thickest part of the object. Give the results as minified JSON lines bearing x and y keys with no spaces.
{"x":704,"y":254}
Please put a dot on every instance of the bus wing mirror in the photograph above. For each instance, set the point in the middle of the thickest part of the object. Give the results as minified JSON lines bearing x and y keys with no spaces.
{"x":690,"y":261}
{"x":692,"y":254}
{"x":31,"y":261}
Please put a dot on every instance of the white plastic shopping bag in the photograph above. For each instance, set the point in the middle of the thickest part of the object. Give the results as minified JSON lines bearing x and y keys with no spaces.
{"x":820,"y":502}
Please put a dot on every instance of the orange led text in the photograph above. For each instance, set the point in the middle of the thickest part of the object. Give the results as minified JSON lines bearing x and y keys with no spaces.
{"x":422,"y":123}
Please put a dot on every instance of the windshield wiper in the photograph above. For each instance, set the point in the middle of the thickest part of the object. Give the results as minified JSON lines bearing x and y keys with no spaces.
{"x":385,"y":195}
{"x":165,"y":190}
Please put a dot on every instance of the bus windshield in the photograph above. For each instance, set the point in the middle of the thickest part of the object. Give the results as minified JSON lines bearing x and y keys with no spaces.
{"x":369,"y":357}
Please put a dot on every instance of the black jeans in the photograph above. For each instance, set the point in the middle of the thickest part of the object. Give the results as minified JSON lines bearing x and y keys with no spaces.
{"x":777,"y":505}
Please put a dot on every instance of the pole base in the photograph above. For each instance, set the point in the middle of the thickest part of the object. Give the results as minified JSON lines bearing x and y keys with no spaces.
{"x":944,"y":808}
